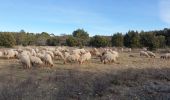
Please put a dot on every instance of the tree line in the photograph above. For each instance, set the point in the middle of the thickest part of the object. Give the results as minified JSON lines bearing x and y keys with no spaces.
{"x":133,"y":39}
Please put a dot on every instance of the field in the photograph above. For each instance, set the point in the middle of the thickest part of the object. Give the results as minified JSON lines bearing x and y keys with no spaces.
{"x":132,"y":78}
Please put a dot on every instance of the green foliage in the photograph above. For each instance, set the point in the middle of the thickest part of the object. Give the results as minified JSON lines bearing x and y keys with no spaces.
{"x":7,"y":40}
{"x":152,"y":41}
{"x":117,"y":40}
{"x":81,"y":36}
{"x":80,"y":33}
{"x":72,"y":41}
{"x":131,"y":39}
{"x":99,"y":41}
{"x":53,"y":41}
{"x":42,"y":38}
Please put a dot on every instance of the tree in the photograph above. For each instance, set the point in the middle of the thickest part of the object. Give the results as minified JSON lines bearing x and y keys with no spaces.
{"x":150,"y":40}
{"x":7,"y":40}
{"x":131,"y":39}
{"x":117,"y":40}
{"x":72,"y":41}
{"x":162,"y":41}
{"x":53,"y":41}
{"x":82,"y":36}
{"x":99,"y":41}
{"x":42,"y":38}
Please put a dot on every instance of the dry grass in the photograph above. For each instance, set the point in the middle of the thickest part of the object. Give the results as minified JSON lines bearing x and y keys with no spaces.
{"x":134,"y":78}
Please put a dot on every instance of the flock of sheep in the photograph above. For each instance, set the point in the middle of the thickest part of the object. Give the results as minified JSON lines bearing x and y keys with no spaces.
{"x":45,"y":56}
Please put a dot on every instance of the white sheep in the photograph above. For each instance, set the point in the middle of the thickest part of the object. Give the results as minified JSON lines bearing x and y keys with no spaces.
{"x":95,"y":52}
{"x":33,"y":52}
{"x":115,"y":53}
{"x":71,"y":58}
{"x":25,"y":60}
{"x":10,"y":54}
{"x":165,"y":56}
{"x":79,"y":51}
{"x":36,"y":50}
{"x":26,"y":53}
{"x":85,"y":57}
{"x":1,"y":54}
{"x":58,"y":54}
{"x":108,"y":58}
{"x":151,"y":54}
{"x":50,"y":53}
{"x":143,"y":53}
{"x":36,"y":60}
{"x":48,"y":60}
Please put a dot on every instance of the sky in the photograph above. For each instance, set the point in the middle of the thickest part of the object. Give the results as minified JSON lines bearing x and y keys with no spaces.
{"x":97,"y":17}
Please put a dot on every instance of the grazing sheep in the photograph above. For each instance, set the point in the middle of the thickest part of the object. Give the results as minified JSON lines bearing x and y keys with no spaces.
{"x":1,"y":54}
{"x":41,"y":56}
{"x":26,"y":52}
{"x":48,"y":60}
{"x":108,"y":58}
{"x":143,"y":53}
{"x":25,"y":60}
{"x":79,"y":51}
{"x":33,"y":52}
{"x":115,"y":53}
{"x":71,"y":58}
{"x":58,"y":54}
{"x":35,"y":60}
{"x":165,"y":56}
{"x":62,"y":49}
{"x":95,"y":52}
{"x":85,"y":57}
{"x":151,"y":54}
{"x":36,"y":50}
{"x":10,"y":54}
{"x":50,"y":53}
{"x":66,"y":54}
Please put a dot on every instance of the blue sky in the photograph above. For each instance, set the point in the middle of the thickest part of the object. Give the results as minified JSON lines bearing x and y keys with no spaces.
{"x":102,"y":17}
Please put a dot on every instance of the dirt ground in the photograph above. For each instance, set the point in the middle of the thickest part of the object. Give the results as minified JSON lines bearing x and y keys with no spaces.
{"x":131,"y":78}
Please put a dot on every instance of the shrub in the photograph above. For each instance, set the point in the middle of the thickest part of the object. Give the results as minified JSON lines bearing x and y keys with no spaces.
{"x":99,"y":41}
{"x":117,"y":40}
{"x":71,"y":41}
{"x":7,"y":40}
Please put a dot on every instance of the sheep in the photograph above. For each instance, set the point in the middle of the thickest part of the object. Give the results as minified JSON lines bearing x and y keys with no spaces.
{"x":108,"y":58}
{"x":48,"y":60}
{"x":79,"y":51}
{"x":165,"y":56}
{"x":143,"y":53}
{"x":1,"y":54}
{"x":85,"y":57}
{"x":59,"y":54}
{"x":62,"y":49}
{"x":35,"y":60}
{"x":26,"y":52}
{"x":71,"y":58}
{"x":10,"y":54}
{"x":112,"y":52}
{"x":115,"y":53}
{"x":50,"y":53}
{"x":33,"y":52}
{"x":16,"y":54}
{"x":25,"y":60}
{"x":41,"y":56}
{"x":95,"y":52}
{"x":151,"y":54}
{"x":36,"y":50}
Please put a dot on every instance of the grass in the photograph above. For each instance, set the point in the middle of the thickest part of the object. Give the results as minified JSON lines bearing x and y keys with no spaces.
{"x":134,"y":78}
